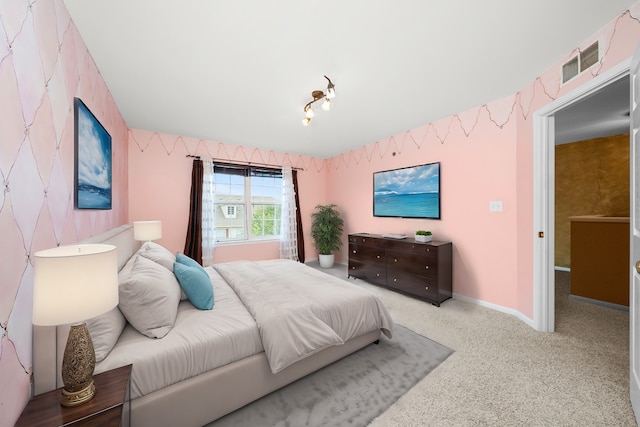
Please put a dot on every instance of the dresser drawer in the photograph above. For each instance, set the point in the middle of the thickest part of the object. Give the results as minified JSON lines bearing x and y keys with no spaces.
{"x":426,"y":250}
{"x":420,"y":286}
{"x":366,"y":240}
{"x":365,"y":271}
{"x":413,"y":264}
{"x":402,"y":245}
{"x":364,"y":253}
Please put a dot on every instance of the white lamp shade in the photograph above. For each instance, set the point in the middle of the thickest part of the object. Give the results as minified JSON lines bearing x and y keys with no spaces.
{"x":74,"y":283}
{"x":147,"y":230}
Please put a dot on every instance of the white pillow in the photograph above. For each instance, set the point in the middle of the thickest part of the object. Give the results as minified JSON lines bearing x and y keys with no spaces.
{"x":105,"y":331}
{"x":149,"y":296}
{"x":158,"y":253}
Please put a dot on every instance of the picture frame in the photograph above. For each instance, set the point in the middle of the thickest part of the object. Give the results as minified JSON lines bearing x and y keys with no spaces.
{"x":93,"y":160}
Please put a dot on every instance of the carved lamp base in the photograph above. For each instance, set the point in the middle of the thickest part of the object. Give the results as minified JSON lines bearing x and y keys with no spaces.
{"x":77,"y":367}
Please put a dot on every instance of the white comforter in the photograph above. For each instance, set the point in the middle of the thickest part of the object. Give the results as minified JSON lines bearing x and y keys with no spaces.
{"x":300,"y":311}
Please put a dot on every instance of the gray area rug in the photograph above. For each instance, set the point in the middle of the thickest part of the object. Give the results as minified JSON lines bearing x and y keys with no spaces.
{"x":352,"y":391}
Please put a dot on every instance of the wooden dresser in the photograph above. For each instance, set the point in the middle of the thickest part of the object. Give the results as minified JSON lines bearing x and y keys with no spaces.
{"x":422,"y":270}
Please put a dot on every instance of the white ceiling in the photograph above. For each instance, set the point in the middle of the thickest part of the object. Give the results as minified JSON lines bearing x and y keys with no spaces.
{"x":240,"y":71}
{"x":603,"y":113}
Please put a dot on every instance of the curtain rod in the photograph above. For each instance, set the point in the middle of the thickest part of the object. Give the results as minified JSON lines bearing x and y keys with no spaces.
{"x":238,"y":162}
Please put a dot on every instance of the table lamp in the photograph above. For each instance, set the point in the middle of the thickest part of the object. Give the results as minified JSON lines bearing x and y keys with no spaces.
{"x":147,"y":230}
{"x":72,"y":284}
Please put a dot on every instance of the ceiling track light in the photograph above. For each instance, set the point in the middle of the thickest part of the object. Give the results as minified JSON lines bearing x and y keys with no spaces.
{"x":318,"y":95}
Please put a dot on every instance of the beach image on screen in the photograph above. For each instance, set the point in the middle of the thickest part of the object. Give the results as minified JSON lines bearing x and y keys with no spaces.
{"x":412,"y":192}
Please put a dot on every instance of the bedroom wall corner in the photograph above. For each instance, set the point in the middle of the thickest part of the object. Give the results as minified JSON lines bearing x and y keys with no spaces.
{"x":44,"y":64}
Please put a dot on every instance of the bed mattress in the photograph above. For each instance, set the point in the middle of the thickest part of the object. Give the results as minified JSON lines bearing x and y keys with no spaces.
{"x":200,"y":341}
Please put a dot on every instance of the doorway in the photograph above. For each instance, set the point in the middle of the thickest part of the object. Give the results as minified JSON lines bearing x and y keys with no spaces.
{"x":544,"y":141}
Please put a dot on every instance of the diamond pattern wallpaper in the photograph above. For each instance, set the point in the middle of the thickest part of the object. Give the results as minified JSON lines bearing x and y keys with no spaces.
{"x":43,"y":65}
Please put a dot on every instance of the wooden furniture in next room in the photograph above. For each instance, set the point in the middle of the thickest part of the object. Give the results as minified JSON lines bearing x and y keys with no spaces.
{"x":109,"y":407}
{"x":422,"y":270}
{"x":600,"y":258}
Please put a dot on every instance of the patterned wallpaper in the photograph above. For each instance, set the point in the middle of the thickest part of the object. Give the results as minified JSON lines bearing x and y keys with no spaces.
{"x":44,"y":64}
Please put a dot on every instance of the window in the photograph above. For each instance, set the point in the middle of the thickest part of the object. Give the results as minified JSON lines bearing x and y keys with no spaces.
{"x":247,"y":203}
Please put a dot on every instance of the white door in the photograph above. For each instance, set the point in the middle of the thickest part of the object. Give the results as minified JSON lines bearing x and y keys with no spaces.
{"x":634,"y":297}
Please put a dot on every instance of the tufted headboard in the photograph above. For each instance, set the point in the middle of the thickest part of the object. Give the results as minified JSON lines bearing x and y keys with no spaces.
{"x":49,"y":341}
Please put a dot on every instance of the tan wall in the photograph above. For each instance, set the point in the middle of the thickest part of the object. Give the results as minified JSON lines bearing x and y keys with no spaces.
{"x":592,"y":178}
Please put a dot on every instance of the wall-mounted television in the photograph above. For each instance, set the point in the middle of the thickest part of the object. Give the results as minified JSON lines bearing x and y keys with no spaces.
{"x":411,"y":192}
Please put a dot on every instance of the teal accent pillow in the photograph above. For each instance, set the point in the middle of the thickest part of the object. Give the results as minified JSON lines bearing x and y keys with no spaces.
{"x":186,"y":260}
{"x":196,"y":284}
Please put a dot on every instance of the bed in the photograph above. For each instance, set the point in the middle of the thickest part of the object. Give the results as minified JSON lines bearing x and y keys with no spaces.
{"x":257,"y":338}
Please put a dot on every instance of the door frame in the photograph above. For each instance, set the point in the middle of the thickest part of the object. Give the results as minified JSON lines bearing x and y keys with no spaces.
{"x":544,"y":193}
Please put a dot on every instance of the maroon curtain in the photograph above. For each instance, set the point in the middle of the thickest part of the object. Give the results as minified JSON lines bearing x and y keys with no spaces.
{"x":193,"y":243}
{"x":300,"y":236}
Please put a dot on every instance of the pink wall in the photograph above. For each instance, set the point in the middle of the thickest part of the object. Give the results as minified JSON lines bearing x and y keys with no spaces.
{"x":160,"y":182}
{"x":476,"y":167}
{"x":43,"y":65}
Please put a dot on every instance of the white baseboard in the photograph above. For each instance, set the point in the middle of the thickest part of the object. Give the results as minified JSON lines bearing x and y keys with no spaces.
{"x":496,"y":307}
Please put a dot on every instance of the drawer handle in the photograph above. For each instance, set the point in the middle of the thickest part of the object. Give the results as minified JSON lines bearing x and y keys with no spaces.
{"x":355,"y":252}
{"x":395,"y":260}
{"x":426,"y":288}
{"x":395,"y":280}
{"x":378,"y":274}
{"x":428,"y":250}
{"x":427,"y":267}
{"x":378,"y":257}
{"x":353,"y":268}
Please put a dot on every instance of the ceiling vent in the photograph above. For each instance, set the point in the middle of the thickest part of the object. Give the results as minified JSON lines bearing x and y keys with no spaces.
{"x":580,"y":62}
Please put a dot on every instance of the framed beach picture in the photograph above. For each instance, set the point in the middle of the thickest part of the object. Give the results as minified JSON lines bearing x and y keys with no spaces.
{"x":92,"y":160}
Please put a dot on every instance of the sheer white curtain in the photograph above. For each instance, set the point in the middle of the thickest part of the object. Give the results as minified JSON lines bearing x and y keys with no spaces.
{"x":288,"y":229}
{"x":208,"y":213}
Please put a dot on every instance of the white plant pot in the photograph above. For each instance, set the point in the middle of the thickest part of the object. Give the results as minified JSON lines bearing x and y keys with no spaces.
{"x":326,"y":261}
{"x":423,"y":239}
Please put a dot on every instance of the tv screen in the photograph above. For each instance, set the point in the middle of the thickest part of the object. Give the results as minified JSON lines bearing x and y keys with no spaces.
{"x":411,"y":192}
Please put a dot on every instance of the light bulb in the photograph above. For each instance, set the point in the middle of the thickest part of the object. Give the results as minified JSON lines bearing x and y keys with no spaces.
{"x":309,"y":112}
{"x":326,"y":105}
{"x":331,"y":92}
{"x":305,"y":121}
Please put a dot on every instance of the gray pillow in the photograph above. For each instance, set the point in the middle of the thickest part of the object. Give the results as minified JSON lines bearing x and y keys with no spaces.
{"x":149,"y":296}
{"x":161,"y":255}
{"x":158,"y":253}
{"x":105,"y":331}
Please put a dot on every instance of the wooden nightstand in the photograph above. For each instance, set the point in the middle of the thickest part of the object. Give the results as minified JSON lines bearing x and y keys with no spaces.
{"x":109,"y":407}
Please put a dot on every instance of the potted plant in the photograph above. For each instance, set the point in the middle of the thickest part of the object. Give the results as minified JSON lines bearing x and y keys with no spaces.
{"x":326,"y":232}
{"x":423,"y":236}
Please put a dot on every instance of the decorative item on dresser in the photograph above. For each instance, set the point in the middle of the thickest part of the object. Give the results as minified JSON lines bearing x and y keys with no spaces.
{"x":423,"y":236}
{"x":422,"y":270}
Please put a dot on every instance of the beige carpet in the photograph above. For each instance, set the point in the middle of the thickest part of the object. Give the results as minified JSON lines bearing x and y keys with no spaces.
{"x":504,"y":373}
